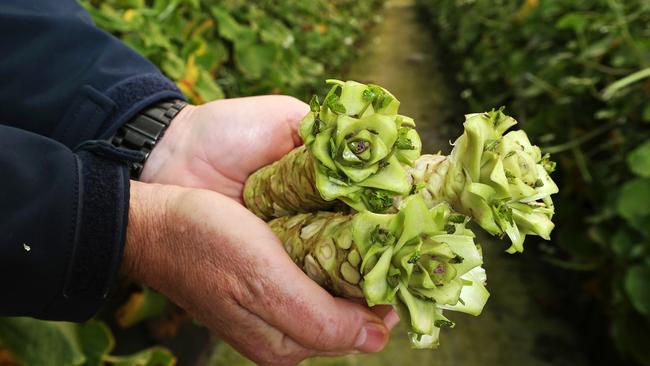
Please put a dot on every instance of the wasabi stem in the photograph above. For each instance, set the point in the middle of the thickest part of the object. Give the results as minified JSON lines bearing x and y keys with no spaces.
{"x":408,"y":259}
{"x":357,"y":150}
{"x":499,"y":179}
{"x":361,"y":146}
{"x":408,"y":244}
{"x":285,"y":187}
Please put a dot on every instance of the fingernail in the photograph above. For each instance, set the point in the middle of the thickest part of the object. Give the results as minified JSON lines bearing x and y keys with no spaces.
{"x":371,"y":338}
{"x":391,"y":319}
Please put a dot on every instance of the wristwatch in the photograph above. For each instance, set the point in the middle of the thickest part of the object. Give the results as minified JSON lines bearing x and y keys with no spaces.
{"x":143,"y":131}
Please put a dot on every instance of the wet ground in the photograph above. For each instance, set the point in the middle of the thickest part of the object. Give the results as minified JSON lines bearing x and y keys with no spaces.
{"x":516,"y":328}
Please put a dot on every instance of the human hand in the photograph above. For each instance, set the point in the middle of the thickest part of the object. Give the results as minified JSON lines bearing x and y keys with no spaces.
{"x":218,"y":145}
{"x":225,"y":266}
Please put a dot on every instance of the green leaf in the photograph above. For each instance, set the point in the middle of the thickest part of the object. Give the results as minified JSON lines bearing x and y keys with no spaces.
{"x":36,"y":342}
{"x":646,"y":113}
{"x":207,"y":88}
{"x":618,"y":85}
{"x":422,"y":312}
{"x":641,"y":224}
{"x":375,"y":286}
{"x":255,"y":59}
{"x":403,"y":141}
{"x":576,"y":21}
{"x":211,"y":56}
{"x":140,"y":306}
{"x":623,"y":242}
{"x":173,"y":66}
{"x":337,"y":107}
{"x":377,"y":200}
{"x":639,"y":160}
{"x":96,"y":341}
{"x":229,"y":28}
{"x":314,"y":104}
{"x":597,"y":49}
{"x":155,"y":356}
{"x":275,"y":32}
{"x":474,"y":296}
{"x":630,"y":332}
{"x":637,"y":286}
{"x":634,"y":199}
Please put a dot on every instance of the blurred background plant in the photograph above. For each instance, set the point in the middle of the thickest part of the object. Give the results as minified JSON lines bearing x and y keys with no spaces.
{"x":576,"y":74}
{"x":237,"y":47}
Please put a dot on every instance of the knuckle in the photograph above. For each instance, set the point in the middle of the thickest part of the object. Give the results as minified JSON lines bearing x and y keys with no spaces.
{"x":240,"y":288}
{"x":335,"y":335}
{"x":328,"y":337}
{"x":263,"y":293}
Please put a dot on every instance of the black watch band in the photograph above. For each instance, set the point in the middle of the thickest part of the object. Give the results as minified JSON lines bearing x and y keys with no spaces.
{"x":143,"y":131}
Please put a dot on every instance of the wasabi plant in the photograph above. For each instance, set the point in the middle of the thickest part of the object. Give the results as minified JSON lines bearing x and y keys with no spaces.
{"x":421,"y":260}
{"x":366,"y":216}
{"x":357,"y":150}
{"x":499,"y":179}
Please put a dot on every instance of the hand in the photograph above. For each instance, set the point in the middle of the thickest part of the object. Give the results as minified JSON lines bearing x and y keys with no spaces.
{"x":226,"y":267}
{"x":218,"y":145}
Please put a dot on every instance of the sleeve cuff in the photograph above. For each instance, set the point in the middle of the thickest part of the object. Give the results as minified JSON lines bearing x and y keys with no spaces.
{"x":94,"y":114}
{"x":135,"y":94}
{"x":102,"y":216}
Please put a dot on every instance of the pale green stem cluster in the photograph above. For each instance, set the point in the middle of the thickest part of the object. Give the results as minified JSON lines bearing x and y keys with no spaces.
{"x":405,"y":246}
{"x":361,"y":145}
{"x":357,"y":150}
{"x":499,"y":179}
{"x":422,"y":260}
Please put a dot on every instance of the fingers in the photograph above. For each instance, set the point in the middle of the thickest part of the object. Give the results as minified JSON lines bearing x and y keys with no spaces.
{"x":385,"y":312}
{"x":257,"y":340}
{"x":391,"y":319}
{"x":388,"y":314}
{"x":295,"y":112}
{"x":291,"y":302}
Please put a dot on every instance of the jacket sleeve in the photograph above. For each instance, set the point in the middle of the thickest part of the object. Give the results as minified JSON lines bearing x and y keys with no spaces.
{"x":63,"y":225}
{"x":62,"y":77}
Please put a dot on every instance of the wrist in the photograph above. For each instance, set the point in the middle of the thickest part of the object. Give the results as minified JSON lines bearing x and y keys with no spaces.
{"x":143,"y":132}
{"x":170,"y":147}
{"x":146,"y":229}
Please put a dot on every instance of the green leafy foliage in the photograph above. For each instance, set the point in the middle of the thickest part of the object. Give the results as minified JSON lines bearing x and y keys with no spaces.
{"x":636,"y":285}
{"x":35,"y":342}
{"x":141,"y":305}
{"x":576,"y":74}
{"x":639,"y":160}
{"x":357,"y":147}
{"x":234,"y":48}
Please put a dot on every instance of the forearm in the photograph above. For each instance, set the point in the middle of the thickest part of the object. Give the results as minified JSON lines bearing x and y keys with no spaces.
{"x":66,"y":79}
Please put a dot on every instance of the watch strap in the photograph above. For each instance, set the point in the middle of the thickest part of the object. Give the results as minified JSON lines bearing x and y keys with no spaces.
{"x":143,"y":131}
